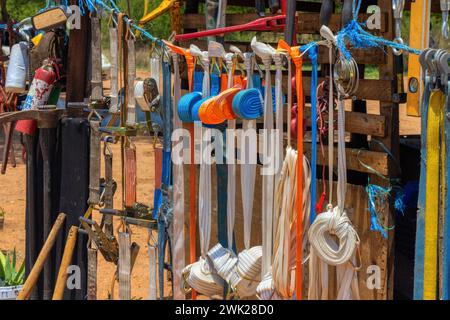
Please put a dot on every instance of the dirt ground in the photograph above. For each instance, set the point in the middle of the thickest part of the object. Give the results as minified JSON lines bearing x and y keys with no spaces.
{"x":12,"y":200}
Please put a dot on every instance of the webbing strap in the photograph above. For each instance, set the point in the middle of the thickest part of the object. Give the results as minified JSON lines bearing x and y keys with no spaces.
{"x":178,"y":192}
{"x":313,"y":57}
{"x":297,"y":59}
{"x":248,"y":169}
{"x":279,"y":152}
{"x":164,"y":214}
{"x":131,"y":102}
{"x":94,"y":163}
{"x":96,"y":56}
{"x":231,"y":179}
{"x":265,"y":52}
{"x":435,"y":118}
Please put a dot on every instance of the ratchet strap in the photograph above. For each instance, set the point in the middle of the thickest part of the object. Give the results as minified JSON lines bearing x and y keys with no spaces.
{"x":420,"y":229}
{"x":114,"y":86}
{"x":265,"y":52}
{"x":446,"y":227}
{"x":434,"y":122}
{"x":313,"y":56}
{"x":419,"y":35}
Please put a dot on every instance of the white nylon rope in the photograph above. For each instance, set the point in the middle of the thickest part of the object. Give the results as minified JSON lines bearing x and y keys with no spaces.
{"x":231,"y":181}
{"x":114,"y":91}
{"x":201,"y":275}
{"x":131,"y":106}
{"x":179,"y":257}
{"x":331,"y":225}
{"x":265,"y":52}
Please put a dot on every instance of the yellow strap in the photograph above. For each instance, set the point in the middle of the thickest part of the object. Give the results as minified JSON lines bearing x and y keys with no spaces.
{"x":418,"y":38}
{"x":435,"y":121}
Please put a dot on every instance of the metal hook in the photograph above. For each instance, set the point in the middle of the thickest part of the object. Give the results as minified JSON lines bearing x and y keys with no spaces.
{"x":445,"y":8}
{"x":397,"y":7}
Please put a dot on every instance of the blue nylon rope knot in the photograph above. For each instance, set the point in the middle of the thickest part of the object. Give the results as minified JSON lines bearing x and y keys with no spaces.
{"x":248,"y":104}
{"x":186,"y":104}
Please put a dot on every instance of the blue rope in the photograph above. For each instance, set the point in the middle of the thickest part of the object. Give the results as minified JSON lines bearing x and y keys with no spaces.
{"x":313,"y":56}
{"x":248,"y":104}
{"x":196,"y":107}
{"x":376,"y":193}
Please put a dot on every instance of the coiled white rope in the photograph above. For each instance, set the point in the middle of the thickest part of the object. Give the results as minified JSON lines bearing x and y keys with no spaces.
{"x":279,"y":282}
{"x":333,"y":239}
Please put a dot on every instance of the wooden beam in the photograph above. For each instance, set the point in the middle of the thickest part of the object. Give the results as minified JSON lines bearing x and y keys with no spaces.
{"x":358,"y":122}
{"x":376,"y":160}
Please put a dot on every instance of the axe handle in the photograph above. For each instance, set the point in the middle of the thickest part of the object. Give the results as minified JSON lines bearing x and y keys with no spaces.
{"x":65,"y":263}
{"x":39,"y":264}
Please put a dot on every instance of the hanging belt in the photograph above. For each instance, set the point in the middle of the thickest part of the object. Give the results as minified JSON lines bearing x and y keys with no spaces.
{"x":114,"y":90}
{"x":265,"y":53}
{"x":435,"y":119}
{"x":420,"y":230}
{"x":165,"y":213}
{"x":446,"y":232}
{"x":313,"y":57}
{"x":178,"y":193}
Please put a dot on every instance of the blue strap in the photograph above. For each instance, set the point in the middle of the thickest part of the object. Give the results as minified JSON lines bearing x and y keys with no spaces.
{"x":420,"y":230}
{"x":198,"y":81}
{"x":313,"y":56}
{"x":186,"y":104}
{"x":215,"y":84}
{"x":164,"y":215}
{"x":248,"y":104}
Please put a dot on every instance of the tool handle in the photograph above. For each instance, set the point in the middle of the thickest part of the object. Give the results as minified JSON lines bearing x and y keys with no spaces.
{"x":65,"y":263}
{"x":347,"y":12}
{"x":39,"y":264}
{"x":289,"y":31}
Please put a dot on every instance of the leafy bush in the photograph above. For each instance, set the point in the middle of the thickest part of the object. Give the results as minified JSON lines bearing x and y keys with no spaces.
{"x":9,"y":276}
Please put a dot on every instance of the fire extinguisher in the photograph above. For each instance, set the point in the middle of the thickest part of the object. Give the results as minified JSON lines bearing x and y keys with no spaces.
{"x":38,"y":94}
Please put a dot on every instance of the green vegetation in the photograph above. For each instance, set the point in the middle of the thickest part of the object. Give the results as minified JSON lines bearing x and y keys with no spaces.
{"x":9,"y":276}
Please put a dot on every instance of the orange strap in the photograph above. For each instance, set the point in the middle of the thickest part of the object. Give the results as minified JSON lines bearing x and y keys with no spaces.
{"x":219,"y":108}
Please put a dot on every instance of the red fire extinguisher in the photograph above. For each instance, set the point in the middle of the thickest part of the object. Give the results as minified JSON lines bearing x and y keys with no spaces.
{"x":38,"y":94}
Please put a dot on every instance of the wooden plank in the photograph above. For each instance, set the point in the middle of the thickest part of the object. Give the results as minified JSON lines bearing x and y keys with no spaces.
{"x":376,"y":160}
{"x":358,"y":122}
{"x":301,"y":5}
{"x":307,"y":22}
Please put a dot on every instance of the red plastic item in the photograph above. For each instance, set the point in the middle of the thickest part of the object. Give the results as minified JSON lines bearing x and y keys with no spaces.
{"x":262,"y":24}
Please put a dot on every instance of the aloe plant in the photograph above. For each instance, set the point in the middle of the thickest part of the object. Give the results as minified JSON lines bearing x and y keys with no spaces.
{"x":9,"y":275}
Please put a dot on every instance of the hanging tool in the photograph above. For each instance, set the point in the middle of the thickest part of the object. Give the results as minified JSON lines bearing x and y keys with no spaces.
{"x":290,"y":31}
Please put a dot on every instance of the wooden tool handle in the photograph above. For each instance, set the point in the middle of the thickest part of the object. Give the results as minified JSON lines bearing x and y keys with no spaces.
{"x":65,"y":262}
{"x":39,"y":264}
